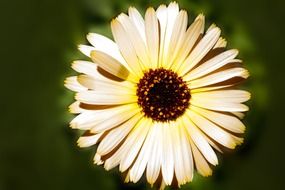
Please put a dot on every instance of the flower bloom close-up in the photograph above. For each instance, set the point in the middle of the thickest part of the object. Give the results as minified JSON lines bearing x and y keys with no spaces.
{"x":161,"y":99}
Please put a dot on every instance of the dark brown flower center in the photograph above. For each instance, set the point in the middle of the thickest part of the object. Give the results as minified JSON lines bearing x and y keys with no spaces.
{"x":162,"y":95}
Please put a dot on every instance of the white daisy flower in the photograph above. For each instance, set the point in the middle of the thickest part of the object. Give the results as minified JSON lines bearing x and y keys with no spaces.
{"x":160,"y":98}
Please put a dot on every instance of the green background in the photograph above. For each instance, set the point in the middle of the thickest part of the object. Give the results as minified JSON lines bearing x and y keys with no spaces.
{"x":39,"y":40}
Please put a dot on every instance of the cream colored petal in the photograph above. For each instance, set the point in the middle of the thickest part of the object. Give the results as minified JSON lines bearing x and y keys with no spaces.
{"x":138,"y":21}
{"x":105,"y":98}
{"x":221,"y":43}
{"x":133,"y":35}
{"x":201,"y":164}
{"x":124,"y":87}
{"x":191,"y":37}
{"x":104,"y":44}
{"x":115,"y":136}
{"x":161,"y":14}
{"x":87,"y":67}
{"x":72,"y":84}
{"x":167,"y":166}
{"x":203,"y":47}
{"x":75,"y":108}
{"x":212,"y":64}
{"x":109,"y":64}
{"x":132,"y":142}
{"x":97,"y":159}
{"x":200,"y":141}
{"x":86,"y":50}
{"x":177,"y":37}
{"x":116,"y":120}
{"x":238,"y":114}
{"x":133,"y":152}
{"x":88,"y":119}
{"x":188,"y":164}
{"x":172,"y":13}
{"x":222,"y":96}
{"x":218,"y":106}
{"x":212,"y":130}
{"x":218,"y":77}
{"x":126,"y":47}
{"x":154,"y":163}
{"x":152,"y":36}
{"x":139,"y":166}
{"x":86,"y":141}
{"x":206,"y":89}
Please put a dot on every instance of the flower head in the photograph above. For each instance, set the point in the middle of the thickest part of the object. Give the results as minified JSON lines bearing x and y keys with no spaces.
{"x":161,"y":98}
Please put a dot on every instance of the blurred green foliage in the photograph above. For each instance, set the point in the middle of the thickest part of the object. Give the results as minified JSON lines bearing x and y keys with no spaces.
{"x":39,"y":41}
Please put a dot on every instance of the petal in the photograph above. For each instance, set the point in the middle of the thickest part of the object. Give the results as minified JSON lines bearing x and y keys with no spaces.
{"x":201,"y":164}
{"x":167,"y":166}
{"x":126,"y":47}
{"x":138,"y":21}
{"x":221,"y":43}
{"x":104,"y":44}
{"x":212,"y":130}
{"x":190,"y":38}
{"x":133,"y":35}
{"x":202,"y":48}
{"x":177,"y":37}
{"x":212,"y":64}
{"x":153,"y":166}
{"x":124,"y":87}
{"x":115,"y":136}
{"x":105,"y":98}
{"x":86,"y":50}
{"x":109,"y":64}
{"x":139,"y":166}
{"x":72,"y":84}
{"x":88,"y":119}
{"x":219,"y":77}
{"x":87,"y":141}
{"x":200,"y":141}
{"x":222,"y":96}
{"x":226,"y":121}
{"x":152,"y":36}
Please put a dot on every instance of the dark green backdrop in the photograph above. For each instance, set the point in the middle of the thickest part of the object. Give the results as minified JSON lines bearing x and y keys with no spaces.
{"x":38,"y":42}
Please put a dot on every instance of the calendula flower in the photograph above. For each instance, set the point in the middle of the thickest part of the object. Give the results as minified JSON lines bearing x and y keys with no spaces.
{"x":160,"y":99}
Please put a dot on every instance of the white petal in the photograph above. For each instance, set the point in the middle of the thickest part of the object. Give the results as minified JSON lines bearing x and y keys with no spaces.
{"x":109,"y":64}
{"x":133,"y":35}
{"x":138,"y":21}
{"x":213,"y":131}
{"x":133,"y":141}
{"x":212,"y":64}
{"x":75,"y":108}
{"x":167,"y":167}
{"x":203,"y":47}
{"x":104,"y":44}
{"x":87,"y":67}
{"x":72,"y":84}
{"x":115,"y":136}
{"x":86,"y":141}
{"x":154,"y":163}
{"x":86,"y":50}
{"x":205,"y":89}
{"x":126,"y":47}
{"x":124,"y":87}
{"x":177,"y":37}
{"x":226,"y":121}
{"x":191,"y":37}
{"x":152,"y":36}
{"x":219,"y":77}
{"x":201,"y":164}
{"x":115,"y":120}
{"x":104,"y":98}
{"x":221,"y":43}
{"x":200,"y":141}
{"x":88,"y":119}
{"x":139,"y":166}
{"x":222,"y":96}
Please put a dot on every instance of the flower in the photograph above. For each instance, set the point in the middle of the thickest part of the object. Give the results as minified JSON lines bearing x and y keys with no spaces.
{"x":161,"y":98}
